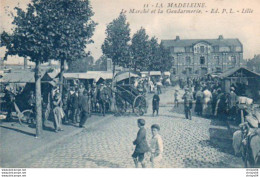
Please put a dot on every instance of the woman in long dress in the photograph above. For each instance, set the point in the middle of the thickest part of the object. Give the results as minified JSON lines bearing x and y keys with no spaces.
{"x":58,"y":112}
{"x":207,"y":96}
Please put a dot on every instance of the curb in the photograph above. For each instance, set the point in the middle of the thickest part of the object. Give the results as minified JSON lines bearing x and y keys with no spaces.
{"x":19,"y":162}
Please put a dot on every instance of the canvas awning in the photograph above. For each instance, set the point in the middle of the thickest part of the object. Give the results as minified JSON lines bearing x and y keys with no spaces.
{"x":155,"y":73}
{"x":125,"y":75}
{"x":89,"y":75}
{"x":240,"y":72}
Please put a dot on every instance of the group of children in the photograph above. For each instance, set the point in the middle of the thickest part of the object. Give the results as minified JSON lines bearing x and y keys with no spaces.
{"x":141,"y":145}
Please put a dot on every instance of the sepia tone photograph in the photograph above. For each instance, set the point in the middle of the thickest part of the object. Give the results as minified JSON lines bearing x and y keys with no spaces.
{"x":129,"y":84}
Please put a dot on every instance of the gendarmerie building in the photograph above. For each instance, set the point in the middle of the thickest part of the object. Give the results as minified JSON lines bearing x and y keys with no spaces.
{"x":202,"y":56}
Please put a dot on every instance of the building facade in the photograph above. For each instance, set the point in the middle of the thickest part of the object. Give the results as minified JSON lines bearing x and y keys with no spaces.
{"x":202,"y":56}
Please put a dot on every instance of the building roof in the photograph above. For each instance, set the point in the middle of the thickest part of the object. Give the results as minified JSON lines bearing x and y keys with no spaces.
{"x":191,"y":42}
{"x":239,"y":72}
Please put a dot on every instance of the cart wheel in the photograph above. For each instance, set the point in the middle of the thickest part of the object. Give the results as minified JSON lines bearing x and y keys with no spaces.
{"x":26,"y":116}
{"x":139,"y":105}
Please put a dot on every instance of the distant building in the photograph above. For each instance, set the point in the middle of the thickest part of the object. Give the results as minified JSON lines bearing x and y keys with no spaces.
{"x":201,"y":56}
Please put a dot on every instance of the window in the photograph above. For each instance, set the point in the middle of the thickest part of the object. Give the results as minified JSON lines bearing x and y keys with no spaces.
{"x":172,"y":60}
{"x":202,"y":49}
{"x":217,"y":60}
{"x":202,"y":60}
{"x":187,"y":49}
{"x":232,"y":48}
{"x":188,"y":70}
{"x":188,"y":60}
{"x":216,"y":48}
{"x":174,"y":71}
{"x":233,"y":60}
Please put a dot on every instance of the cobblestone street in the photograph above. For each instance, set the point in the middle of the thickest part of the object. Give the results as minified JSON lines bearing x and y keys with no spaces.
{"x":199,"y":142}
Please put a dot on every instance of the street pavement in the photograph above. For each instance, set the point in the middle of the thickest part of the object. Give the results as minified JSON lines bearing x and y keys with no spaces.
{"x":196,"y":143}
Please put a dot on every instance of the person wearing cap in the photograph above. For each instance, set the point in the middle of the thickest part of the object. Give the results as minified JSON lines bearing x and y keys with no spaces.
{"x":187,"y":97}
{"x":75,"y":106}
{"x":84,"y":109}
{"x":156,"y":146}
{"x":141,"y":145}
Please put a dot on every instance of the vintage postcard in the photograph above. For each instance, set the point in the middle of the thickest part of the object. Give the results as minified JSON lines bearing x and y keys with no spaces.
{"x":129,"y":84}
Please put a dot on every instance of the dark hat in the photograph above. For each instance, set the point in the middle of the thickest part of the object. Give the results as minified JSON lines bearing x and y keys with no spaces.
{"x":186,"y":89}
{"x":155,"y":126}
{"x":141,"y":122}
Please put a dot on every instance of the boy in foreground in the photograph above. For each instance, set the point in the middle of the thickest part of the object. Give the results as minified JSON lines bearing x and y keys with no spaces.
{"x":156,"y":146}
{"x":141,"y":145}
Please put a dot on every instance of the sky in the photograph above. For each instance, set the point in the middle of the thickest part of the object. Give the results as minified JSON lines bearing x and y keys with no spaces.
{"x":245,"y":27}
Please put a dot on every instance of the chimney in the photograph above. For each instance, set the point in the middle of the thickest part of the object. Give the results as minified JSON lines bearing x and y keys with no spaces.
{"x":25,"y":63}
{"x":177,"y":38}
{"x":220,"y":37}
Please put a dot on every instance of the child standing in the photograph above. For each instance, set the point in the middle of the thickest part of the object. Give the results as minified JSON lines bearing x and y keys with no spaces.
{"x":156,"y":101}
{"x":141,"y":145}
{"x":156,"y":146}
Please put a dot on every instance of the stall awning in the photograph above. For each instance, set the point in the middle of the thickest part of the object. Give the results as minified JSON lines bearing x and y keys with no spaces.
{"x":125,"y":75}
{"x":240,"y":72}
{"x":155,"y":73}
{"x":89,"y":75}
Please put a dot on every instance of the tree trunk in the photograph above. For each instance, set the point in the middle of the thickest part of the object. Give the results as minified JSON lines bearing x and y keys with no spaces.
{"x":38,"y":100}
{"x":62,"y":69}
{"x":112,"y":85}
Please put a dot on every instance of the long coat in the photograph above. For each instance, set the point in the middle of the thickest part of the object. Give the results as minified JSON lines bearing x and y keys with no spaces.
{"x":74,"y":101}
{"x":141,"y":142}
{"x":156,"y":100}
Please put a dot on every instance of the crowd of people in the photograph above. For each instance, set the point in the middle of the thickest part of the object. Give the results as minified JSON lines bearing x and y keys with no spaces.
{"x":209,"y":98}
{"x":78,"y":103}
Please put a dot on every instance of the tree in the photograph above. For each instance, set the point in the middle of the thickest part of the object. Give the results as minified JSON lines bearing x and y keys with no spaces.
{"x":165,"y":60}
{"x":29,"y":40}
{"x":116,"y":45}
{"x":254,"y":63}
{"x":140,"y":49}
{"x":51,"y":29}
{"x":5,"y":38}
{"x":101,"y":63}
{"x":154,"y":58}
{"x":70,"y":29}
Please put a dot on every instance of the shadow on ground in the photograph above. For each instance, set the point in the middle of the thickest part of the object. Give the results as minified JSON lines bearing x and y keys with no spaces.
{"x":220,"y":140}
{"x":103,"y":163}
{"x":18,"y":130}
{"x":191,"y":163}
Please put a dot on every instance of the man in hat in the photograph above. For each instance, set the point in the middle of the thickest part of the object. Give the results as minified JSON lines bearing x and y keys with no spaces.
{"x":75,"y":106}
{"x":187,"y":97}
{"x":156,"y":146}
{"x":9,"y":99}
{"x":85,"y":109}
{"x":141,"y":145}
